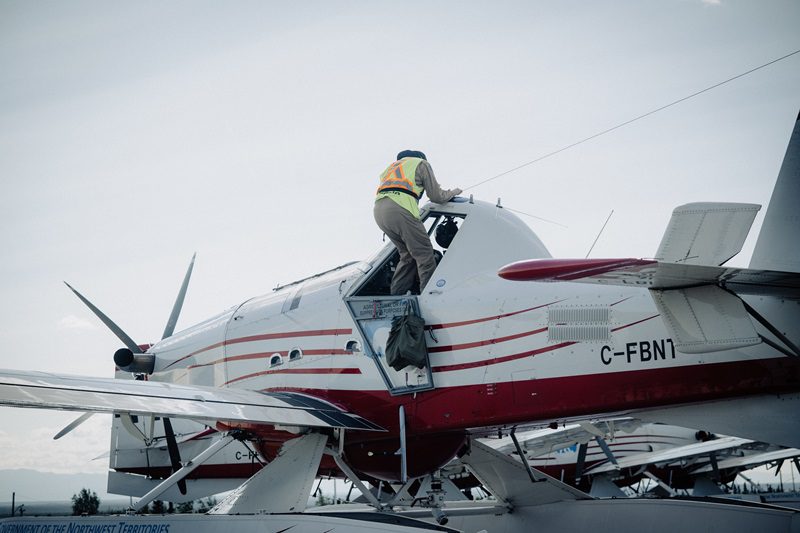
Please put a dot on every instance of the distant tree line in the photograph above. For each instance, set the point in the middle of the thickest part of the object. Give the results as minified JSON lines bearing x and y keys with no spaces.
{"x":86,"y":503}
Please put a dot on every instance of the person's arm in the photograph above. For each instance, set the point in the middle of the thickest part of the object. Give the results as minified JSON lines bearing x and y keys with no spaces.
{"x":434,"y":191}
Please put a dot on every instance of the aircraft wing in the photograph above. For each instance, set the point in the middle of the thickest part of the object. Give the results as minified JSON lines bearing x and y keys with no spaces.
{"x":671,"y":454}
{"x":656,"y":275}
{"x":206,"y":404}
{"x":543,"y":441}
{"x":752,"y":460}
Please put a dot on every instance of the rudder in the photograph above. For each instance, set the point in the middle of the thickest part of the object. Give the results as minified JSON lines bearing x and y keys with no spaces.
{"x":778,"y":244}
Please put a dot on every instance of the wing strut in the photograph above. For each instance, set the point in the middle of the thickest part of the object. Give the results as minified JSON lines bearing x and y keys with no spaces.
{"x":602,"y":442}
{"x":712,"y":457}
{"x":522,"y":456}
{"x":660,"y":483}
{"x":185,"y":471}
{"x":354,"y":478}
{"x":581,"y":461}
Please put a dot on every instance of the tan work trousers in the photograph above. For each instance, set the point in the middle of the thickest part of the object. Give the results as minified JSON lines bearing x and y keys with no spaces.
{"x":412,"y":241}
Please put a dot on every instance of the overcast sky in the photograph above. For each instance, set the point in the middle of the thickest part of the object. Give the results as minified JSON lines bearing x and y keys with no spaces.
{"x":134,"y":134}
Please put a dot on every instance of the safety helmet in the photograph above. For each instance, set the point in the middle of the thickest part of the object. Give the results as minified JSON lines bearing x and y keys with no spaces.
{"x":411,"y":153}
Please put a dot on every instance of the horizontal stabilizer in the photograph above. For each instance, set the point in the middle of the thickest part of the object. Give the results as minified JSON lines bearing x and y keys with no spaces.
{"x":206,"y":404}
{"x":705,"y":319}
{"x":649,"y":274}
{"x":706,"y":233}
{"x":616,"y":271}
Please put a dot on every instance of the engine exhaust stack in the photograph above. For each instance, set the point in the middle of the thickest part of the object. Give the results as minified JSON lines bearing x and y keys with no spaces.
{"x":139,"y":363}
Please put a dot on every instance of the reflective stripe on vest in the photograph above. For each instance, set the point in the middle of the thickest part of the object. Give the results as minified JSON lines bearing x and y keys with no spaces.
{"x":400,"y":176}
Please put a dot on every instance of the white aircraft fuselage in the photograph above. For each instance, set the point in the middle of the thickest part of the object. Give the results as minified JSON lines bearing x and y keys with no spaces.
{"x":501,"y":353}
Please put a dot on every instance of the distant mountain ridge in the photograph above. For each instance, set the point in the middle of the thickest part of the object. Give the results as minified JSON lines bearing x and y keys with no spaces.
{"x":35,"y":486}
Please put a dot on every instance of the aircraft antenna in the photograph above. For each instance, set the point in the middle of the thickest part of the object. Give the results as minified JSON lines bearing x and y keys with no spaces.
{"x":534,"y":216}
{"x":630,"y":121}
{"x":598,"y":235}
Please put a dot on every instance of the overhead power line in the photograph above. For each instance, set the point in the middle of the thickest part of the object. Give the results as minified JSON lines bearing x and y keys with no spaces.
{"x":622,"y":124}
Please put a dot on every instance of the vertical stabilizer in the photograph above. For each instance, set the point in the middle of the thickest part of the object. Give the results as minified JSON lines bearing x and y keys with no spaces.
{"x":778,"y":245}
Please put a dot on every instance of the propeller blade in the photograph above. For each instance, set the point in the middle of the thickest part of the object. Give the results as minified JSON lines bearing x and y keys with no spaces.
{"x":121,"y":335}
{"x":174,"y":452}
{"x":176,"y":309}
{"x":72,"y":425}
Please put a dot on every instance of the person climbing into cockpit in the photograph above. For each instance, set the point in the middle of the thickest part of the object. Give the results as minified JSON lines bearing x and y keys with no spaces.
{"x":397,"y":215}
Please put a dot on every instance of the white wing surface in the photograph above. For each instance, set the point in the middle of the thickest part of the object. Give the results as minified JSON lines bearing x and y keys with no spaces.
{"x":207,"y":404}
{"x":671,"y":454}
{"x":544,"y":441}
{"x":752,"y":460}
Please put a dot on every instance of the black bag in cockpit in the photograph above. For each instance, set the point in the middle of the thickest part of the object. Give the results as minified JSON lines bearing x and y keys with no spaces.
{"x":406,"y":343}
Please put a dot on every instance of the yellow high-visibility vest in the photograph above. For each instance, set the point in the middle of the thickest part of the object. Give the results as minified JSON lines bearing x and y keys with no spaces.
{"x":398,"y":183}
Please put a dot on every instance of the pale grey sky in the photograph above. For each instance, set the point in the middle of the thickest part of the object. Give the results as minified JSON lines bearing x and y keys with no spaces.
{"x":134,"y":134}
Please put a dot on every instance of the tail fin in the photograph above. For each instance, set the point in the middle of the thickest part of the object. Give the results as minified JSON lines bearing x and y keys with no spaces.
{"x":706,"y":233}
{"x":778,"y":245}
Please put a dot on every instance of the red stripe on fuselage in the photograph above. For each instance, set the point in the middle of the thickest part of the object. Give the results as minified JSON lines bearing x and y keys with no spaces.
{"x":297,"y":371}
{"x":476,"y":344}
{"x":266,"y":337}
{"x":435,"y":349}
{"x":620,"y":301}
{"x":634,"y":323}
{"x":504,"y":359}
{"x":488,"y":318}
{"x":267,"y":355}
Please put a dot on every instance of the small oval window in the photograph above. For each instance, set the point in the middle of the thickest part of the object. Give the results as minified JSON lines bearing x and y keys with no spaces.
{"x":275,"y":360}
{"x":353,"y":346}
{"x":295,"y":354}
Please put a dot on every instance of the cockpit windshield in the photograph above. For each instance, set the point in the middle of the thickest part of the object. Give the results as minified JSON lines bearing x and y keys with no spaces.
{"x":442,"y":229}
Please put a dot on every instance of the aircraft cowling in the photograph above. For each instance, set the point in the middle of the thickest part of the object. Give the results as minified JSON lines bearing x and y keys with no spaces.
{"x":379,"y":458}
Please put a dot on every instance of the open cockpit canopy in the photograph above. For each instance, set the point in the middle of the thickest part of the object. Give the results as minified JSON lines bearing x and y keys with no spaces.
{"x":469,"y":238}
